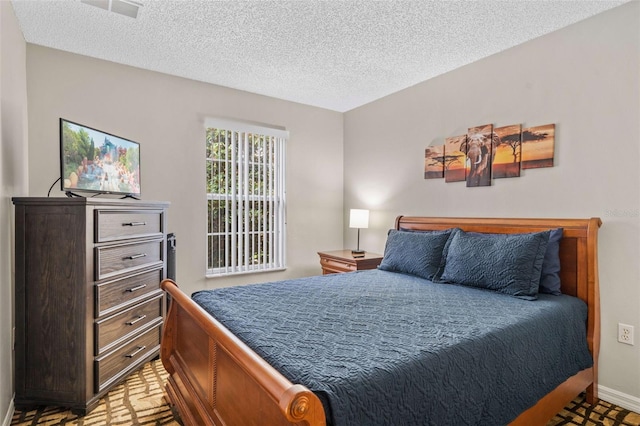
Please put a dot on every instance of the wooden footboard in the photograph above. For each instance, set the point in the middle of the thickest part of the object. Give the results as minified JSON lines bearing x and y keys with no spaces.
{"x":215,"y":379}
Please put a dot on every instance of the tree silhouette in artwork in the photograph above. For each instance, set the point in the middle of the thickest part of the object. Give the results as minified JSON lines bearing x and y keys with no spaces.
{"x":531,"y":159}
{"x":513,"y":141}
{"x":528,"y":136}
{"x":437,"y":161}
{"x":434,"y":161}
{"x":449,"y":160}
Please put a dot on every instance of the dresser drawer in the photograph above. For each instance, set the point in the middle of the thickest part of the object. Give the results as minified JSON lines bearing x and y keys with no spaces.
{"x":333,"y":265}
{"x":117,"y":225}
{"x":113,"y":330}
{"x":111,"y":367}
{"x":111,"y":296}
{"x":121,"y":258}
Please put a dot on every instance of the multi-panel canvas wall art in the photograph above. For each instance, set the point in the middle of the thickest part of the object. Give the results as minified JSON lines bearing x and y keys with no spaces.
{"x":455,"y":158}
{"x":487,"y":152}
{"x":479,"y":155}
{"x":538,"y":146}
{"x":433,"y":158}
{"x":506,"y":162}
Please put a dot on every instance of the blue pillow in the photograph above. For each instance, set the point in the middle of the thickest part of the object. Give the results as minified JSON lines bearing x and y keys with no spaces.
{"x":550,"y":277}
{"x":506,"y":263}
{"x":414,"y":253}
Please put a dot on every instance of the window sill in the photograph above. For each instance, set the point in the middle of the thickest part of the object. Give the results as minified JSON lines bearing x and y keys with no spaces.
{"x":231,"y":274}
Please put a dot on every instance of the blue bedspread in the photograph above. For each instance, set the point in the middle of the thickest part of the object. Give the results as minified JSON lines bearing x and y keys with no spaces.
{"x":382,"y":348}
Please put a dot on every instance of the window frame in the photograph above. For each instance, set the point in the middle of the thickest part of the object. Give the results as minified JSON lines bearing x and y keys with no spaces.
{"x":271,"y":228}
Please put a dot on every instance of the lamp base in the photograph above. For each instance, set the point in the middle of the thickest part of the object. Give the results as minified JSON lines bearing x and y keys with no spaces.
{"x":357,"y":253}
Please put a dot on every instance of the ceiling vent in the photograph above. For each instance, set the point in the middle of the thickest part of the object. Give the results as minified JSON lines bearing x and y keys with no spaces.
{"x":123,"y":7}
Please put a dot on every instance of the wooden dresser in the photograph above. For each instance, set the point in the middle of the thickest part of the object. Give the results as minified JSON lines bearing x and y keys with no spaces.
{"x":337,"y":261}
{"x":88,"y":303}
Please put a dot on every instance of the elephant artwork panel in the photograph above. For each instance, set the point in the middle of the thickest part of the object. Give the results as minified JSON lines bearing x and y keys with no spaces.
{"x":434,"y":162}
{"x":507,"y":156}
{"x":538,"y":146}
{"x":480,"y":144}
{"x":454,"y":158}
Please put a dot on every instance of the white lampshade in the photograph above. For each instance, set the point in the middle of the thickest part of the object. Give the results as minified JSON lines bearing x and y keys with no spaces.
{"x":359,"y":218}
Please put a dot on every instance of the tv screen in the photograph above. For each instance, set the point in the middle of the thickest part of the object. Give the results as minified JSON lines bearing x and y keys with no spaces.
{"x":95,"y":161}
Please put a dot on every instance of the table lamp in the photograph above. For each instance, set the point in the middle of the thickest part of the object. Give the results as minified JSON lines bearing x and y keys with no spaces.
{"x":358,"y":218}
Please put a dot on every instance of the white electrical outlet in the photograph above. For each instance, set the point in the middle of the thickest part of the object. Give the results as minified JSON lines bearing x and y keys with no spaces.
{"x":625,"y":333}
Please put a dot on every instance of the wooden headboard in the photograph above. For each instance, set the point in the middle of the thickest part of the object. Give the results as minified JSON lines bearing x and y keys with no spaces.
{"x":578,"y":253}
{"x":578,"y":247}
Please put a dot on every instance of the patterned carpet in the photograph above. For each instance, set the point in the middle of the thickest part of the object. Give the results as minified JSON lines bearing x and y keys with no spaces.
{"x":579,"y":412}
{"x":140,"y":401}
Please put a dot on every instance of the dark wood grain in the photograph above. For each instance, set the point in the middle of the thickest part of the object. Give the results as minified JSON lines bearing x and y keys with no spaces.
{"x":119,"y":363}
{"x":118,"y":259}
{"x":116,"y":329}
{"x":59,"y":302}
{"x":54,"y":273}
{"x":119,"y":225}
{"x":118,"y":294}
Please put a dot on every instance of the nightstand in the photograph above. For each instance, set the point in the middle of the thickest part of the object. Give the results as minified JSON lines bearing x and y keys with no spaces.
{"x":343,"y":261}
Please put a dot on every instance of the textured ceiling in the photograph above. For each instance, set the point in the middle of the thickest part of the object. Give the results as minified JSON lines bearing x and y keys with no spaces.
{"x":332,"y":54}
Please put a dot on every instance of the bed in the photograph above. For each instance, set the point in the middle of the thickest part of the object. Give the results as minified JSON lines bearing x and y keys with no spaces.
{"x":215,"y":378}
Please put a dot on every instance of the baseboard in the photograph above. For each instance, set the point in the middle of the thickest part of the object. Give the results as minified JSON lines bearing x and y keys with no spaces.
{"x":618,"y":398}
{"x":9,"y":415}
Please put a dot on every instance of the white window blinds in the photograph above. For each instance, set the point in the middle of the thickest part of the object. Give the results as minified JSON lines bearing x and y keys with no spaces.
{"x":245,"y":198}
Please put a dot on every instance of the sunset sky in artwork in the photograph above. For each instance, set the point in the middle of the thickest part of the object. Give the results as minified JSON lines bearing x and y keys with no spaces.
{"x":539,"y":149}
{"x":452,"y":147}
{"x":429,"y":164}
{"x":504,"y":153}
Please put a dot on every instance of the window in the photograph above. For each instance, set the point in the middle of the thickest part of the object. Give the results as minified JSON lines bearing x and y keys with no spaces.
{"x":245,"y":198}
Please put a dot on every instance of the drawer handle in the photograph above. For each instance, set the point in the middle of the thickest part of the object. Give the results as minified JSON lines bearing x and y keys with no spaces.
{"x":136,"y":288}
{"x":134,"y":224}
{"x":133,"y":321}
{"x":136,"y":256}
{"x":136,"y":352}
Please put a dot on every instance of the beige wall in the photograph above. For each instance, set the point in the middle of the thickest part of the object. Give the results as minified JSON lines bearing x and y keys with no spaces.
{"x":165,"y":114}
{"x":13,"y":181}
{"x":584,"y":78}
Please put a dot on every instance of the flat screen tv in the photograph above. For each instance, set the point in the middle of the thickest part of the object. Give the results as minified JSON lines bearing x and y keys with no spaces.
{"x":96,"y":161}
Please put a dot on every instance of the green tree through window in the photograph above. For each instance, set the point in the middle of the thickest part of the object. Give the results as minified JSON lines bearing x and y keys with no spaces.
{"x":245,"y":201}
